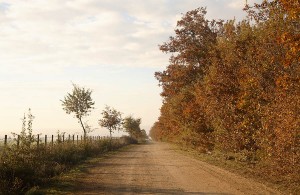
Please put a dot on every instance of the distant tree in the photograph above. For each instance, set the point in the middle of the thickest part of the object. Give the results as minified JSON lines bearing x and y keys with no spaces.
{"x":144,"y":134}
{"x":79,"y":102}
{"x":132,"y":127}
{"x":112,"y":119}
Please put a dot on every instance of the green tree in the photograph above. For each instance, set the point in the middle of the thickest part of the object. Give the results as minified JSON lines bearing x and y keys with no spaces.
{"x":79,"y":102}
{"x":132,"y":127}
{"x":111,"y":119}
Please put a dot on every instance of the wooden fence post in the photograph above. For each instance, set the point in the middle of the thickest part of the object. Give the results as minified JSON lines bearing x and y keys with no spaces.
{"x":45,"y":141}
{"x":90,"y":138}
{"x":38,"y":140}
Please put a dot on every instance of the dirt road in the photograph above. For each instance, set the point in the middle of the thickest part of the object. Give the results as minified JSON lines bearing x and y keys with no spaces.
{"x":157,"y":169}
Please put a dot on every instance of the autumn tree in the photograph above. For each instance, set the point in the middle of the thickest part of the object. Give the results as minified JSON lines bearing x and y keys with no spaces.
{"x":290,"y":37}
{"x":278,"y":23}
{"x":235,"y":86}
{"x":189,"y":50}
{"x":79,"y":102}
{"x":190,"y":53}
{"x":111,"y":119}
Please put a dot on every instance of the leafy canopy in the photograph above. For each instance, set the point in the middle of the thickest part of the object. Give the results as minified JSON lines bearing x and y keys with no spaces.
{"x":132,"y":127}
{"x":79,"y":102}
{"x":111,"y":119}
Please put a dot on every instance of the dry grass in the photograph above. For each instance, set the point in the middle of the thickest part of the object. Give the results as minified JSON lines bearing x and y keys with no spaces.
{"x":66,"y":183}
{"x":24,"y":169}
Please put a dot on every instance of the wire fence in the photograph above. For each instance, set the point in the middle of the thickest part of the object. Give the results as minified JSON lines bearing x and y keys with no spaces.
{"x":50,"y":140}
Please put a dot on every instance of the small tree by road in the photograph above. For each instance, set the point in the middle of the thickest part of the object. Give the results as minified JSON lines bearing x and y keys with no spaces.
{"x":132,"y":127}
{"x":111,"y":119}
{"x":79,"y":102}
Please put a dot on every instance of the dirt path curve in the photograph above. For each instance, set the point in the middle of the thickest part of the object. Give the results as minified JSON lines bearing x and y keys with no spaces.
{"x":157,"y":169}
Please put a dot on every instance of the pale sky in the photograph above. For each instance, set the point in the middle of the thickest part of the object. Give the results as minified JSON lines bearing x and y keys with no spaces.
{"x":109,"y":46}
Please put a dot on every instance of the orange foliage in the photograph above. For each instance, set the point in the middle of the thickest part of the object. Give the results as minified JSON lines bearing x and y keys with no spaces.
{"x":236,"y":87}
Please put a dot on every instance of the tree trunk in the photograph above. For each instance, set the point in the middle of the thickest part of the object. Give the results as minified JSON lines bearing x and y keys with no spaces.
{"x":84,"y":131}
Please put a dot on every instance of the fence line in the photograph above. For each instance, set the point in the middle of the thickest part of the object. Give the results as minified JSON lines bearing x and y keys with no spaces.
{"x":60,"y":138}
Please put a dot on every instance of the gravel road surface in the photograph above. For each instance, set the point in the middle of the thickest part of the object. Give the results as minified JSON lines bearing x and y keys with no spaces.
{"x":156,"y":168}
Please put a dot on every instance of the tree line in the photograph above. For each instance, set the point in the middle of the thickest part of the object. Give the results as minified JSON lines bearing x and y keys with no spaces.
{"x":235,"y":86}
{"x":80,"y":103}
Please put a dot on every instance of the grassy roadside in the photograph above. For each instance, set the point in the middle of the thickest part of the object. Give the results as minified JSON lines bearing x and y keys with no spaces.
{"x":231,"y":162}
{"x":23,"y":168}
{"x":65,"y":183}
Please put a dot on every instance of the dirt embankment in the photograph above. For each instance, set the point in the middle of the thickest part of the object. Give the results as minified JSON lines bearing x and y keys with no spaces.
{"x":157,"y":169}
